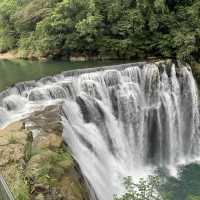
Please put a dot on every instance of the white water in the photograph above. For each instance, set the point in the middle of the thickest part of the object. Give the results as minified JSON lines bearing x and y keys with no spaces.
{"x":122,"y":121}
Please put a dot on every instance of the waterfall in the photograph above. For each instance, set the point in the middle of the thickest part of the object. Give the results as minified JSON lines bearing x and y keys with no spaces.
{"x":118,"y":120}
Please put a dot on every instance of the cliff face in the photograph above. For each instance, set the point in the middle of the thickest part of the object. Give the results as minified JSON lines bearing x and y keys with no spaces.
{"x":36,"y":163}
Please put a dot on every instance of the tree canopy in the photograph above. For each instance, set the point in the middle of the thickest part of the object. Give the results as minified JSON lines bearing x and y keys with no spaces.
{"x":125,"y":29}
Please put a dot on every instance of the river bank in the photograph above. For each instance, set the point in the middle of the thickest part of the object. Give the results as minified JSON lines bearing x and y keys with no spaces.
{"x":9,"y":56}
{"x":17,"y":54}
{"x":13,"y":55}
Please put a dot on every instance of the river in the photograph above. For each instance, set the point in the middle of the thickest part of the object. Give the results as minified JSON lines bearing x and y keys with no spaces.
{"x":15,"y":71}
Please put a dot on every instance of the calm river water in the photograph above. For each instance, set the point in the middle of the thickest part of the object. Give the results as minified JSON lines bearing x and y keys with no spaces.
{"x":12,"y":72}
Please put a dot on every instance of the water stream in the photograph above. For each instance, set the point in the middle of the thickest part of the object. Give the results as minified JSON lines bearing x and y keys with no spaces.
{"x":118,"y":121}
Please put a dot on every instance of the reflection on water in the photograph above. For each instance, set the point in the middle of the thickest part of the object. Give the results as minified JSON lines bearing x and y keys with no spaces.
{"x":20,"y":70}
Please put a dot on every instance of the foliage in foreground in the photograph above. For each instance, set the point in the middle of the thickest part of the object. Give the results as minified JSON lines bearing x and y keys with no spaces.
{"x":144,"y":190}
{"x":108,"y":28}
{"x":185,"y":187}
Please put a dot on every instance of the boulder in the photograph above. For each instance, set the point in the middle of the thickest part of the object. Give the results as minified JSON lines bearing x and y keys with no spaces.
{"x":48,"y":141}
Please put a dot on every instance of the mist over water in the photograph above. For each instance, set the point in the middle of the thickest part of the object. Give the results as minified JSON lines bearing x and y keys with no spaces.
{"x":118,"y":121}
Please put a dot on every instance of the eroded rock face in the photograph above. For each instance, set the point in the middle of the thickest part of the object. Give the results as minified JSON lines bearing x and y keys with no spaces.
{"x":35,"y":161}
{"x":12,"y":143}
{"x":48,"y":141}
{"x":12,"y":148}
{"x":11,"y":153}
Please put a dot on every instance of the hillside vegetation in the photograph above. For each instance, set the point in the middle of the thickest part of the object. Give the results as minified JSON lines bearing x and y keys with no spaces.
{"x":125,"y":29}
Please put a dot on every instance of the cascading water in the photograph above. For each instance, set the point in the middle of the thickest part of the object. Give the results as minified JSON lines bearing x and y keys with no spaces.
{"x":120,"y":120}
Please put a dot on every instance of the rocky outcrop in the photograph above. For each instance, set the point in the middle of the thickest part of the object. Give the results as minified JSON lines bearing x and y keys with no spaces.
{"x":35,"y":161}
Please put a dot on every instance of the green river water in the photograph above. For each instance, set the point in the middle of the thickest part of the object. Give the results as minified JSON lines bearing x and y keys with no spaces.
{"x":21,"y":70}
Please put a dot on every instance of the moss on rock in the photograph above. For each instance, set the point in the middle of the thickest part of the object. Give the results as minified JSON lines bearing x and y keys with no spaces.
{"x":39,"y":167}
{"x":11,"y":162}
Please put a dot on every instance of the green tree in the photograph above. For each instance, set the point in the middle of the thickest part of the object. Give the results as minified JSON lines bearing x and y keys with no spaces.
{"x":144,"y":190}
{"x":8,"y":34}
{"x":125,"y":29}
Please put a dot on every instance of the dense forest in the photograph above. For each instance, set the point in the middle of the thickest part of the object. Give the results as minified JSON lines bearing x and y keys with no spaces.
{"x":125,"y":29}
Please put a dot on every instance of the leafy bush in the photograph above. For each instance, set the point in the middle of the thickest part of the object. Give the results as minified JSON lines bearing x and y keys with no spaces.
{"x":144,"y":190}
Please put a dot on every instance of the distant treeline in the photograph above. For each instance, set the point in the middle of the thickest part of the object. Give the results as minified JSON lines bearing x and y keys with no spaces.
{"x":125,"y":29}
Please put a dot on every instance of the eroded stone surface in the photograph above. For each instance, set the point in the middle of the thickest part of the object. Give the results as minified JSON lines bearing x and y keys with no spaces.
{"x":37,"y":166}
{"x":12,"y":142}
